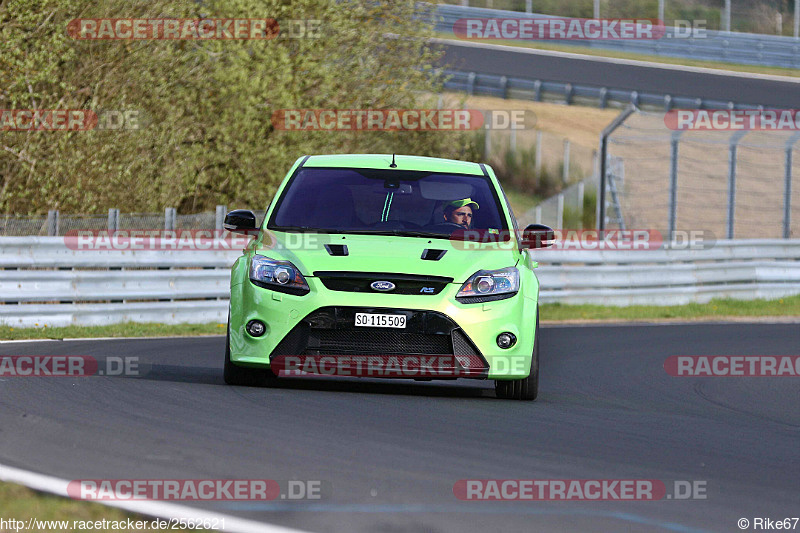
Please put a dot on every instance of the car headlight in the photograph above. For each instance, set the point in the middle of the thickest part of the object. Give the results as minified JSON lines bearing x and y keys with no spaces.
{"x":488,"y":285}
{"x":280,"y":276}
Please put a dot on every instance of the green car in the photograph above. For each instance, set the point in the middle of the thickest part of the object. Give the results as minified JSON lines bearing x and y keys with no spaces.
{"x":386,"y":266}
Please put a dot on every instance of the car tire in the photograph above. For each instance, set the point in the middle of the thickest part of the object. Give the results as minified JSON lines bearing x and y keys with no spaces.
{"x":243,"y":376}
{"x":523,"y":389}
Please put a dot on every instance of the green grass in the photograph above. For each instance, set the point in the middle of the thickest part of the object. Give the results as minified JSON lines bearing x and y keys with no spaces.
{"x":757,"y":69}
{"x":789,"y":306}
{"x":128,"y":329}
{"x":22,"y":503}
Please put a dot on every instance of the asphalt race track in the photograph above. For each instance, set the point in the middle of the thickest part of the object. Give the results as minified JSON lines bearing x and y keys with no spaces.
{"x":602,"y":72}
{"x":390,"y":452}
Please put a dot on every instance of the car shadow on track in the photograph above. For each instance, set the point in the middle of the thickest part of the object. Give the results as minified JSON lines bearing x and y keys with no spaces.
{"x":462,"y":389}
{"x":213,"y":376}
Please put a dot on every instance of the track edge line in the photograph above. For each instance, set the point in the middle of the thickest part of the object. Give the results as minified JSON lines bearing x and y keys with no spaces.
{"x":58,"y":487}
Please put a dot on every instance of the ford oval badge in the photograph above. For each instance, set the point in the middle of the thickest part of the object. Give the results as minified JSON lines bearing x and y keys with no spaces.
{"x":383,"y":286}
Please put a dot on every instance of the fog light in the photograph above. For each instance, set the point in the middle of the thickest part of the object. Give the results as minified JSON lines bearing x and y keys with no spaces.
{"x":256,"y":328}
{"x":506,"y":340}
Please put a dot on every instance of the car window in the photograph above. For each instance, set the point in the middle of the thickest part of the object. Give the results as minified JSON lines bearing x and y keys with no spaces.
{"x":368,"y":200}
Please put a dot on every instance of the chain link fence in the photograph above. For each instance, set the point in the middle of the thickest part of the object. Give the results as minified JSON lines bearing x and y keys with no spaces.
{"x":735,"y":184}
{"x":572,"y":208}
{"x":545,"y":165}
{"x":546,"y":155}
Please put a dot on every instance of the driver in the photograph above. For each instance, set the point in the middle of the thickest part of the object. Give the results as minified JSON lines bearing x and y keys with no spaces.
{"x":460,"y":212}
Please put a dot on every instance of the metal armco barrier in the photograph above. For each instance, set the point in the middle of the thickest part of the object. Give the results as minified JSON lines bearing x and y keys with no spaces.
{"x":475,"y":83}
{"x":727,"y":47}
{"x":43,"y":282}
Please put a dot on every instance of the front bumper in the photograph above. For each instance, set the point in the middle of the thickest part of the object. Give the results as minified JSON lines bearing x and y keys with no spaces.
{"x":321,"y":322}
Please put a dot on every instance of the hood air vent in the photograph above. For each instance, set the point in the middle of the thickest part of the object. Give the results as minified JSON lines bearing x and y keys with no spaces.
{"x":432,"y":254}
{"x":337,"y":249}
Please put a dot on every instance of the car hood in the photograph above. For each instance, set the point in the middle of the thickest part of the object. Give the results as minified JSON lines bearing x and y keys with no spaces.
{"x":385,"y":254}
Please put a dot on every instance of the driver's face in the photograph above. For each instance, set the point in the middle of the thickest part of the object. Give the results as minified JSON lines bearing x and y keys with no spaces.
{"x":461,"y":216}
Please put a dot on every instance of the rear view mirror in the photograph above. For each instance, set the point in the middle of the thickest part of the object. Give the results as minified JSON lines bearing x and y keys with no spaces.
{"x":538,"y":236}
{"x":240,"y":221}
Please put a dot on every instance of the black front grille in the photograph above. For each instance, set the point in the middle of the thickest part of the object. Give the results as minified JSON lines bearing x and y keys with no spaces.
{"x":462,"y":345}
{"x":381,"y":342}
{"x":362,"y":282}
{"x":332,"y":331}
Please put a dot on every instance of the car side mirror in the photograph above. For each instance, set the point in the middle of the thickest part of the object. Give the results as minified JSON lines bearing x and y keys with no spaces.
{"x":240,"y":221}
{"x":538,"y":236}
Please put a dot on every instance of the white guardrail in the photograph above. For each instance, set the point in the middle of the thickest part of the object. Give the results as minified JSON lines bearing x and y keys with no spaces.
{"x":44,"y":282}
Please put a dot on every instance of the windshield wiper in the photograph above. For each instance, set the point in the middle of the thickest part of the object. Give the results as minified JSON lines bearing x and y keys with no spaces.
{"x":413,"y":233}
{"x":393,"y":232}
{"x":296,"y":228}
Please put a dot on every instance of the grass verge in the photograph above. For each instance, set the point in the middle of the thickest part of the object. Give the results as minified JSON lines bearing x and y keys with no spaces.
{"x":22,"y":504}
{"x":716,"y":309}
{"x":127,"y":329}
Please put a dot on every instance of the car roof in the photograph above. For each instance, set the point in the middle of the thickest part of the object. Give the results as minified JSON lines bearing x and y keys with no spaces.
{"x":404,"y":162}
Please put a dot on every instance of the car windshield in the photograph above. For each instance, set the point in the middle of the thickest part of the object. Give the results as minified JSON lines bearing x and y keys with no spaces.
{"x":388,"y":202}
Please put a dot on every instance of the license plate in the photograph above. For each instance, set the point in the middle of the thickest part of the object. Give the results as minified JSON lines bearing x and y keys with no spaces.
{"x":380,"y":321}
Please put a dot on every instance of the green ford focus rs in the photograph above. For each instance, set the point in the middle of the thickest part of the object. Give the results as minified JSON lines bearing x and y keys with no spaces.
{"x":386,"y":266}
